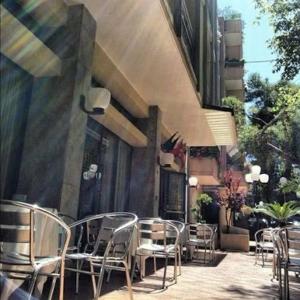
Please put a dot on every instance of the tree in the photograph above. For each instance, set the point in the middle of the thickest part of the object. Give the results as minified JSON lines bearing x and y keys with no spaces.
{"x":230,"y":197}
{"x":284,"y":17}
{"x":266,"y":130}
{"x":281,"y":213}
{"x":202,"y":198}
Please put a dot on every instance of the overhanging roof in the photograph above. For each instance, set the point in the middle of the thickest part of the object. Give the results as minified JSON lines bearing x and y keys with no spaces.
{"x":138,"y":58}
{"x":20,"y":45}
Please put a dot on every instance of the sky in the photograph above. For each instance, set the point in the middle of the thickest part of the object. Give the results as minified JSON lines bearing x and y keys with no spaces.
{"x":255,"y":40}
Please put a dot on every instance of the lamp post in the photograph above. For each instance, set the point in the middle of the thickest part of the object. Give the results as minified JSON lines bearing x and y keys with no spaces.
{"x":282,"y":182}
{"x":254,"y":177}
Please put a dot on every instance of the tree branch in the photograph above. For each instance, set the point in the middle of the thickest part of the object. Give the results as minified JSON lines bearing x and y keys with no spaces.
{"x":255,"y":118}
{"x":273,"y":121}
{"x":291,"y":157}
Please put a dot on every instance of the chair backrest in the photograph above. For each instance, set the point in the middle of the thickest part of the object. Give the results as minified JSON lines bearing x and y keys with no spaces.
{"x":112,"y":232}
{"x":157,"y":231}
{"x":181,"y":228}
{"x":18,"y":225}
{"x":264,"y":235}
{"x":201,"y":232}
{"x":290,"y":237}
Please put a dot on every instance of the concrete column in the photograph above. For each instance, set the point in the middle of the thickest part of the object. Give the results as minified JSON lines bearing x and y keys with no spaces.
{"x":54,"y":142}
{"x":145,"y":170}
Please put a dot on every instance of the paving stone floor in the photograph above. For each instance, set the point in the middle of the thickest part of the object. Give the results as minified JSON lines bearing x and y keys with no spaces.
{"x":233,"y":277}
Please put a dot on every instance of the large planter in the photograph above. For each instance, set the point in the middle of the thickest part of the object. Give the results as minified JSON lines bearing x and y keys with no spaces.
{"x":236,"y":240}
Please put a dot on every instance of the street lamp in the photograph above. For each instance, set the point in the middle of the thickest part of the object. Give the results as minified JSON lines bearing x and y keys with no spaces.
{"x":255,"y":177}
{"x":282,"y":182}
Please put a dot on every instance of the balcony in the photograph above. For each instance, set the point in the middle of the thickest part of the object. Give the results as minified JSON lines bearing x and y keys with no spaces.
{"x":234,"y":52}
{"x":233,"y":32}
{"x":183,"y":15}
{"x":236,"y":93}
{"x":233,"y":74}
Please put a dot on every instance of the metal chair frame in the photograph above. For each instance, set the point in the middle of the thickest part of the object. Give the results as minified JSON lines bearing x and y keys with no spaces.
{"x":152,"y":232}
{"x":263,"y":244}
{"x":288,"y":244}
{"x":107,"y":260}
{"x":18,"y":226}
{"x":202,"y":235}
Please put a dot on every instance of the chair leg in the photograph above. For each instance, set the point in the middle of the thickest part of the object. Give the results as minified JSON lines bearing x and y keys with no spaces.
{"x":128,"y":280}
{"x":93,"y":277}
{"x":100,"y":280}
{"x":154,"y":262}
{"x":263,"y":257}
{"x":77,"y":277}
{"x":284,"y":284}
{"x":186,"y":253}
{"x":191,"y":252}
{"x":179,"y":260}
{"x":132,"y":268}
{"x":175,"y":265}
{"x":108,"y":276}
{"x":287,"y":284}
{"x":165,"y":273}
{"x":62,"y":280}
{"x":53,"y":282}
{"x":32,"y":283}
{"x":256,"y":254}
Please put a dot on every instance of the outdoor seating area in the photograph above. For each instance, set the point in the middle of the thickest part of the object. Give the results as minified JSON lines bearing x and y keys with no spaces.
{"x":96,"y":246}
{"x":150,"y":149}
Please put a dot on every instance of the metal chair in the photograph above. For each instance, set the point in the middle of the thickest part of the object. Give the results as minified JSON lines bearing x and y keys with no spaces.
{"x":18,"y":226}
{"x":263,"y":244}
{"x":158,"y":238}
{"x":108,"y":249}
{"x":202,"y":236}
{"x":289,"y":241}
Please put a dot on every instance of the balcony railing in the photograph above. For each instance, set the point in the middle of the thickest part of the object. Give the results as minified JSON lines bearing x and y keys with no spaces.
{"x":184,"y":15}
{"x":234,"y":63}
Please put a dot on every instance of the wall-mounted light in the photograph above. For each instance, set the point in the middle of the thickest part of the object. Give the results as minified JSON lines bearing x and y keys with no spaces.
{"x":98,"y":101}
{"x":166,"y":159}
{"x":193,"y":181}
{"x":92,"y":173}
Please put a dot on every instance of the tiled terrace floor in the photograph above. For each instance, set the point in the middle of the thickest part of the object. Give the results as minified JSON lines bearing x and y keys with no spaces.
{"x":234,"y":277}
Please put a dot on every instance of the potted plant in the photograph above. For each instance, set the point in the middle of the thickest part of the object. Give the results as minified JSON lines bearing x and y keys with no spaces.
{"x":230,"y":198}
{"x":231,"y":201}
{"x":202,"y":198}
{"x":280,"y":213}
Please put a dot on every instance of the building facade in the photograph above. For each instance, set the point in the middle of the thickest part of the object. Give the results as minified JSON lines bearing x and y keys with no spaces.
{"x":158,"y":63}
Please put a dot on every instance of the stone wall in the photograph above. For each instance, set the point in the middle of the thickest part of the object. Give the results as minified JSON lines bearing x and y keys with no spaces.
{"x":145,"y":170}
{"x":54,"y":141}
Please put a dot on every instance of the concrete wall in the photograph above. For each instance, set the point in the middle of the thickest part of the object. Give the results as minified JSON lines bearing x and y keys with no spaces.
{"x":54,"y":141}
{"x":145,"y":171}
{"x":15,"y":93}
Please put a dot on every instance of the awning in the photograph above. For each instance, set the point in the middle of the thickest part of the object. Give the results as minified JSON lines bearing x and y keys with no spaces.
{"x":222,"y":124}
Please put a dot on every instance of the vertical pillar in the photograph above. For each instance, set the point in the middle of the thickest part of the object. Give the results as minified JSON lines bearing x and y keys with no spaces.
{"x":145,"y":170}
{"x":54,"y":142}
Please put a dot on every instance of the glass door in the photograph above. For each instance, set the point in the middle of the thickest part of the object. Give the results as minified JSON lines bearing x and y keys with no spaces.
{"x":172,"y":195}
